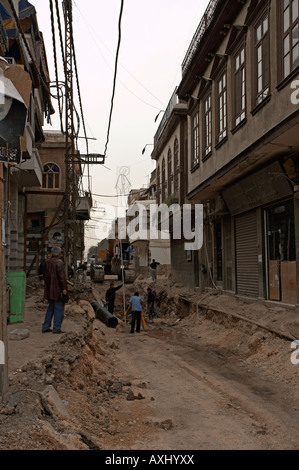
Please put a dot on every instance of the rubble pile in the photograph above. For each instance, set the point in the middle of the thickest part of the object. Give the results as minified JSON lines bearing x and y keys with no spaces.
{"x":75,"y":374}
{"x":172,"y":299}
{"x":75,"y":395}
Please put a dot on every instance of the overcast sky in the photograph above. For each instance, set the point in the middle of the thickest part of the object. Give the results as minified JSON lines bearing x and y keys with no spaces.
{"x":155,"y":38}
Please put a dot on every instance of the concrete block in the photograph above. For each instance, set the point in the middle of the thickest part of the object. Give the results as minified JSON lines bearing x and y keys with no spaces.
{"x":52,"y":403}
{"x":19,"y":334}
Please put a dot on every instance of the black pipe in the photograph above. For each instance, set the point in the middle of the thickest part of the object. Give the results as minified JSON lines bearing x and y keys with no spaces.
{"x":102,"y":314}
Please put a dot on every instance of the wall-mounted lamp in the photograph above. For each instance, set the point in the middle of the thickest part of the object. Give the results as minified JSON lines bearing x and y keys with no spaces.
{"x":143,"y":151}
{"x":162,"y":111}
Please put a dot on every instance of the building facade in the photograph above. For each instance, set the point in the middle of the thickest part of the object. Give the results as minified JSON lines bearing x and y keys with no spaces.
{"x":171,"y":153}
{"x":25,"y":102}
{"x":239,"y":83}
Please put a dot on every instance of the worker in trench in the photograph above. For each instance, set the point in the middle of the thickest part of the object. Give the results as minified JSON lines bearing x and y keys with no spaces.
{"x":136,"y":305}
{"x":110,"y":297}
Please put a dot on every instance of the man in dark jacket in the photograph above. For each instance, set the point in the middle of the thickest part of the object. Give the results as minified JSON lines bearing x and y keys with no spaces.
{"x":55,"y":285}
{"x":110,"y":297}
{"x":153,"y":269}
{"x":150,"y":304}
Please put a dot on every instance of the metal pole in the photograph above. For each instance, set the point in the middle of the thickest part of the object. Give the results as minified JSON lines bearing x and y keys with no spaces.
{"x":123,"y":276}
{"x":70,"y":177}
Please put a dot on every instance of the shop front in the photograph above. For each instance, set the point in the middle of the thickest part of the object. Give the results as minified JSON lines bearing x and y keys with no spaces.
{"x":281,"y":252}
{"x":262,"y":207}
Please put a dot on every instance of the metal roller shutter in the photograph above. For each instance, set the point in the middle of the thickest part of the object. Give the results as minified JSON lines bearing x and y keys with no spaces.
{"x":247,"y":255}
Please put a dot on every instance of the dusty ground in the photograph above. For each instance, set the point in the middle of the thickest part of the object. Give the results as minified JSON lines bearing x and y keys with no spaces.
{"x":194,"y":378}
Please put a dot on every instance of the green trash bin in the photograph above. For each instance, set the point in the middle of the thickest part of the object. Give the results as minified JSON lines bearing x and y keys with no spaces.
{"x":17,"y":283}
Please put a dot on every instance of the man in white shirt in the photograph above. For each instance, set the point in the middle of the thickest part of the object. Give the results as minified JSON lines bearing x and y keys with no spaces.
{"x":136,"y":305}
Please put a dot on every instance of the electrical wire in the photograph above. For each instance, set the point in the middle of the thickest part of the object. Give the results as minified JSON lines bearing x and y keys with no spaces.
{"x":55,"y":62}
{"x":90,"y":29}
{"x":115,"y":75}
{"x":77,"y":80}
{"x":78,"y":90}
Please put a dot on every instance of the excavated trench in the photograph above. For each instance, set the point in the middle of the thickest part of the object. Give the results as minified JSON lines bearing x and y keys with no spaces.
{"x":89,"y":368}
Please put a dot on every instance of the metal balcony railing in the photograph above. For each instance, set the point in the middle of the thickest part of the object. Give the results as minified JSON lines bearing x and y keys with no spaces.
{"x":173,"y":101}
{"x":203,"y":26}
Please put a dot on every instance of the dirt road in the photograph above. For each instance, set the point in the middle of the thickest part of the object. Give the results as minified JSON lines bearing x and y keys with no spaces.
{"x":203,"y":396}
{"x":184,"y":383}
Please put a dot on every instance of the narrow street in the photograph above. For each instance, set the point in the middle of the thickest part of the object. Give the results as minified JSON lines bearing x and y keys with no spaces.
{"x":183,"y":383}
{"x":211,"y":396}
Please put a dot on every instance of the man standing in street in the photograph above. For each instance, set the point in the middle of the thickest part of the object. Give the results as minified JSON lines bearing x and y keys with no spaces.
{"x":55,"y":285}
{"x":136,"y":305}
{"x":150,"y":304}
{"x":153,"y":267}
{"x":110,"y":297}
{"x":84,"y":268}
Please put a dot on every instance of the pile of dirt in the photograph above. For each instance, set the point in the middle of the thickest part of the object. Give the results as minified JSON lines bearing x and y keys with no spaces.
{"x":177,"y":301}
{"x":79,"y":368}
{"x":81,"y":373}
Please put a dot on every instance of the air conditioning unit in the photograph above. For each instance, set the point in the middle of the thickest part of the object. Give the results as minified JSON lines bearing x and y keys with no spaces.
{"x":10,"y":60}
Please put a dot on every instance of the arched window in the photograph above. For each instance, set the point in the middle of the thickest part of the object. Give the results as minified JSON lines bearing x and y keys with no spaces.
{"x":158,"y":184}
{"x":169,"y":171}
{"x":51,"y":176}
{"x":164,"y":182}
{"x":176,"y":167}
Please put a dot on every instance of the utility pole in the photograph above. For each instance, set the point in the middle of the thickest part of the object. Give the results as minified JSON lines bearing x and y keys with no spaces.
{"x":123,"y":187}
{"x":73,"y":160}
{"x":70,"y":177}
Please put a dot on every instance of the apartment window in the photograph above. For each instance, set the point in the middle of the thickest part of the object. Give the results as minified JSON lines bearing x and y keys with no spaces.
{"x":262,"y":59}
{"x":158,"y":184}
{"x":207,"y":125}
{"x":164,"y":182}
{"x":222,"y":107}
{"x":195,"y":139}
{"x":240,"y":87}
{"x":176,"y":167}
{"x":51,"y":176}
{"x":169,"y":170}
{"x":290,"y":36}
{"x":29,"y":114}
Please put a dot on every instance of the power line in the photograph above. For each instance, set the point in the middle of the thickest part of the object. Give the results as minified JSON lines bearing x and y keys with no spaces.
{"x":55,"y":62}
{"x":115,"y":74}
{"x":76,"y":74}
{"x":90,"y":29}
